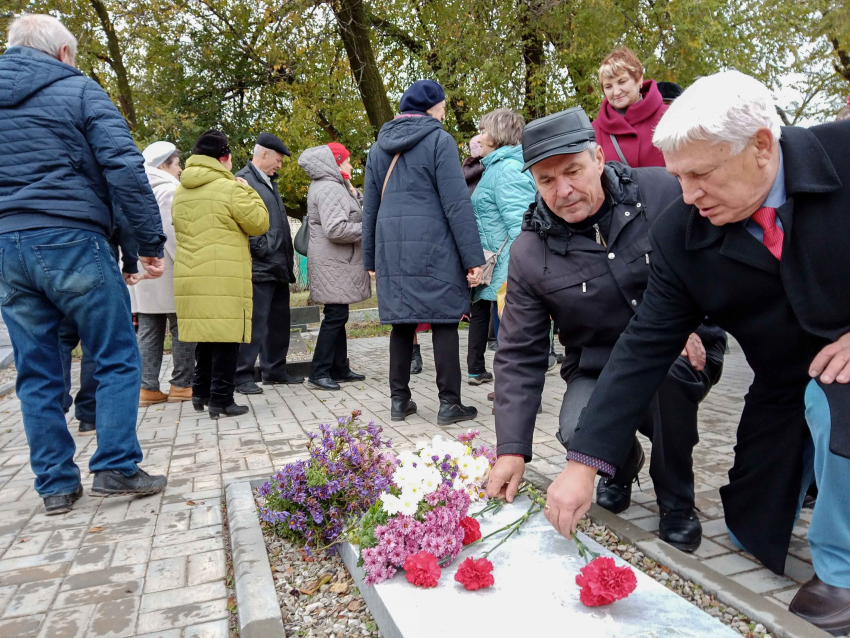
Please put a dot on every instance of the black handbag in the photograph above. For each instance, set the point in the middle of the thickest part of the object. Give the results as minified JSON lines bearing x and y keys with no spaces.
{"x":302,"y":237}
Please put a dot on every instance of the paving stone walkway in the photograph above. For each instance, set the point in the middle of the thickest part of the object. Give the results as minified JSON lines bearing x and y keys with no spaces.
{"x":155,"y":567}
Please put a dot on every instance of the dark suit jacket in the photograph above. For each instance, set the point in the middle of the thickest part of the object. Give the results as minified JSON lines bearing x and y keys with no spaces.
{"x":272,"y":252}
{"x":782,"y":315}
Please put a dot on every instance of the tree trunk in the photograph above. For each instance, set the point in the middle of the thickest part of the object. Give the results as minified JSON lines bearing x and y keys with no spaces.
{"x":116,"y":61}
{"x":533,"y":55}
{"x":354,"y":30}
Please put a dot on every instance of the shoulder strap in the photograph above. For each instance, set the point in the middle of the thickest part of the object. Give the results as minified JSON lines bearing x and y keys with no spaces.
{"x":504,"y":243}
{"x":618,"y":149}
{"x":389,"y":172}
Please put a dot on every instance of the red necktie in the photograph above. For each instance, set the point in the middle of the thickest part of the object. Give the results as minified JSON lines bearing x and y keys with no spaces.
{"x":773,"y":235}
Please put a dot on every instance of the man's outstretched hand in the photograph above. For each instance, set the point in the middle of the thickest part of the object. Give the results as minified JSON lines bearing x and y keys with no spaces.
{"x":505,"y":477}
{"x":569,"y":496}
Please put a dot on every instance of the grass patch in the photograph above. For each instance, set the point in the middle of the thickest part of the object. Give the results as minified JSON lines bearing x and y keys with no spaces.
{"x":365,"y":329}
{"x":299,"y":300}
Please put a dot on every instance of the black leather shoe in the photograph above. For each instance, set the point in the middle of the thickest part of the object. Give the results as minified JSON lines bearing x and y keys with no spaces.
{"x":200,"y":403}
{"x":480,"y":379}
{"x":615,"y":494}
{"x":350,"y":377}
{"x":400,"y":409}
{"x":230,"y":410}
{"x":680,"y":528}
{"x":416,"y":361}
{"x":455,"y":413}
{"x":113,"y":483}
{"x":811,"y":497}
{"x":286,"y":379}
{"x":54,"y":505}
{"x":325,"y":383}
{"x":87,"y":427}
{"x":824,"y":606}
{"x":249,"y":387}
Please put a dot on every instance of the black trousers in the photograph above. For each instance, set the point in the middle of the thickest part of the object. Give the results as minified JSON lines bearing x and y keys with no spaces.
{"x":671,"y":425}
{"x":479,"y":333}
{"x":269,"y":334}
{"x":330,"y":358}
{"x":215,"y":369}
{"x":446,"y":356}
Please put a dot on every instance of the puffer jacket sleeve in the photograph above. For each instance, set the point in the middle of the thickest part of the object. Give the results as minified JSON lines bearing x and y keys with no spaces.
{"x":249,"y":211}
{"x":122,"y":164}
{"x":520,"y":364}
{"x":514,"y":193}
{"x":334,"y":204}
{"x":457,"y":205}
{"x":371,"y":203}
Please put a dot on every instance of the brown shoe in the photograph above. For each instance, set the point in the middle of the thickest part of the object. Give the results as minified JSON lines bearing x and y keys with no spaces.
{"x":177,"y":394}
{"x":824,"y":606}
{"x":491,"y":396}
{"x":150,"y":397}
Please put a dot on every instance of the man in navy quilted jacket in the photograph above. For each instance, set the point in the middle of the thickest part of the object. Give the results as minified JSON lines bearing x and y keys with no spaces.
{"x":67,"y":157}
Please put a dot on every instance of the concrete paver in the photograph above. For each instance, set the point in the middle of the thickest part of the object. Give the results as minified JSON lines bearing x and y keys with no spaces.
{"x":157,"y":566}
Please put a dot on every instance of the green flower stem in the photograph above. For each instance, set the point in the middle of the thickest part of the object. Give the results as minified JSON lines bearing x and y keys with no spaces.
{"x":533,"y":509}
{"x":583,"y":550}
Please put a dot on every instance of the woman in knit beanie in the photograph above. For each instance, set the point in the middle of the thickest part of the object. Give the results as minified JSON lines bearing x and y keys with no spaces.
{"x":421,"y":240}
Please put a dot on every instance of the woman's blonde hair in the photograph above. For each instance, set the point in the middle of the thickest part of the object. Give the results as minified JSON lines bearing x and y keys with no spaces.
{"x":503,"y":126}
{"x":618,"y":61}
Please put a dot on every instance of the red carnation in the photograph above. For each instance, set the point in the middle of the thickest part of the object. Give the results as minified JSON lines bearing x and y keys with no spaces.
{"x":602,"y":582}
{"x":471,"y":530}
{"x":422,"y":570}
{"x":475,"y":574}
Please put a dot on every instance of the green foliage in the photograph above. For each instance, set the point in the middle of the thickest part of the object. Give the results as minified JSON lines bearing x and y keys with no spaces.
{"x":245,"y":66}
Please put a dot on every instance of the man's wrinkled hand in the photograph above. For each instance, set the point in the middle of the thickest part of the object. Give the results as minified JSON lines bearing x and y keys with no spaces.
{"x":504,"y":479}
{"x":371,"y":273}
{"x":131,"y":279}
{"x":695,"y":352}
{"x":243,"y":181}
{"x":154,"y":266}
{"x":569,"y":497}
{"x":833,"y":362}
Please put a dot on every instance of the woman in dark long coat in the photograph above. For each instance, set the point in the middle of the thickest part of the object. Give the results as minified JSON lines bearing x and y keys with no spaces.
{"x":421,"y":241}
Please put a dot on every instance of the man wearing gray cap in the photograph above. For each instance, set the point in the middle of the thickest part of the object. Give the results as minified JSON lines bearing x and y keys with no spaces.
{"x":583,"y":260}
{"x":273,"y":271}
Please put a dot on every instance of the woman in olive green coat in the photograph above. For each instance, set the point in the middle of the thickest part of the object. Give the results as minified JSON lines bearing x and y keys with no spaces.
{"x":214,"y":213}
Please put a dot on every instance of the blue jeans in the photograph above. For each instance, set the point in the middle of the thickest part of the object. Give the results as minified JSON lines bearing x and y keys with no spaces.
{"x":45,"y":276}
{"x":85,"y":402}
{"x":829,"y":531}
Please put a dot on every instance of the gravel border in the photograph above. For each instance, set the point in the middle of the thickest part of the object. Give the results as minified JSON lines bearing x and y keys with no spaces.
{"x":730,"y":602}
{"x":256,"y":599}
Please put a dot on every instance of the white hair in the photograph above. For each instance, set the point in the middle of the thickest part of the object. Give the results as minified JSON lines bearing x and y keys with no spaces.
{"x":42,"y":32}
{"x":725,"y":107}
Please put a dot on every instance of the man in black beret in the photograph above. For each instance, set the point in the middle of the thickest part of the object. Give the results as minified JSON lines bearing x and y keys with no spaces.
{"x":583,"y":260}
{"x":273,"y":271}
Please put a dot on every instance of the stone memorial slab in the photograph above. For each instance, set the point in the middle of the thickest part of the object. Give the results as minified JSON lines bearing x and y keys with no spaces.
{"x":534,"y":594}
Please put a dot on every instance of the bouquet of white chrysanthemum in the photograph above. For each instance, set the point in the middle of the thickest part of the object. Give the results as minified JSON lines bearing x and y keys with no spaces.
{"x":438,"y":462}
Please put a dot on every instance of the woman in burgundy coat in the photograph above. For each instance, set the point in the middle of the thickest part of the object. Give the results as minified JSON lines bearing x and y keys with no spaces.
{"x":630,"y":111}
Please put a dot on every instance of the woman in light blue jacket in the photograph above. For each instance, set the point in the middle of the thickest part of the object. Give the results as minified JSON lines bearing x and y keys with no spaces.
{"x":500,"y":201}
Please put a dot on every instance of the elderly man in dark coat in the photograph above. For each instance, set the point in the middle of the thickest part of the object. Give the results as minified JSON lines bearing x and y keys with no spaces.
{"x":421,"y":240}
{"x":758,"y":243}
{"x":272,"y":272}
{"x":583,"y":260}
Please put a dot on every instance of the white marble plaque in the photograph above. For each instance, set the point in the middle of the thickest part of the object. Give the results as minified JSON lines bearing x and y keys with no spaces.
{"x":534,"y":595}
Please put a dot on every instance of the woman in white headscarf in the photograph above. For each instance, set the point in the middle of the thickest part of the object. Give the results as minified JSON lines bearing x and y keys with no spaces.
{"x":153,"y":299}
